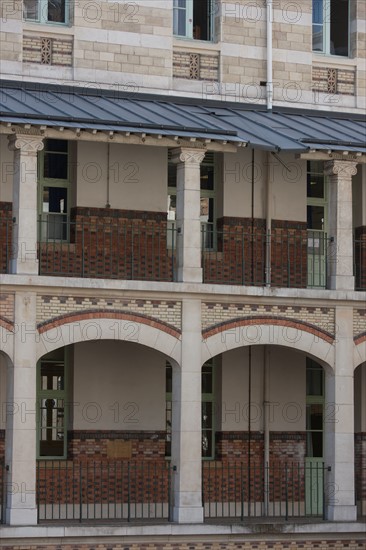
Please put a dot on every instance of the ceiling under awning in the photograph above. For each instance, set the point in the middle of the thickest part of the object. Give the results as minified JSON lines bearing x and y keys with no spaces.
{"x":299,"y":131}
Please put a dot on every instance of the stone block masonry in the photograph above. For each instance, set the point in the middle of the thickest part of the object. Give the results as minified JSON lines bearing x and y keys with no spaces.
{"x":53,"y":307}
{"x":260,"y":543}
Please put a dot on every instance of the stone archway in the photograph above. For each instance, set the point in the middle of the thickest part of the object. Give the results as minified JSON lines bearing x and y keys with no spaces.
{"x":295,"y":335}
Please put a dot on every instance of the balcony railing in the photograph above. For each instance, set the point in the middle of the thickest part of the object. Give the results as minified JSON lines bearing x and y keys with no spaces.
{"x":128,"y":250}
{"x":240,"y":257}
{"x":103,"y":490}
{"x":281,"y":489}
{"x":142,"y":250}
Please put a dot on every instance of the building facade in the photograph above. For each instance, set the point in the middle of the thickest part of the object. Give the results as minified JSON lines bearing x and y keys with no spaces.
{"x":183,"y":259}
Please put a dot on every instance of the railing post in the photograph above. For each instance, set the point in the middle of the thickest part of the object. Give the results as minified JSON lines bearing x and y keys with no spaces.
{"x":128,"y":492}
{"x":286,"y":491}
{"x":80,"y":491}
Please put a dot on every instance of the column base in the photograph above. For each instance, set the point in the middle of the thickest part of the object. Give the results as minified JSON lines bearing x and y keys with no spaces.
{"x":188,"y":514}
{"x":190,"y":274}
{"x":17,"y":267}
{"x":341,"y":282}
{"x":341,"y":513}
{"x":21,"y":516}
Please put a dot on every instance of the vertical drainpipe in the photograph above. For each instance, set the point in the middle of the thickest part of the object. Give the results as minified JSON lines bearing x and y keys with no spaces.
{"x":266,"y":420}
{"x":269,"y":20}
{"x":269,"y":56}
{"x":266,"y":358}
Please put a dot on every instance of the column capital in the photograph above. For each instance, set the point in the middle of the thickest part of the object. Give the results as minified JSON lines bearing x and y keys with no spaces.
{"x":346,"y":168}
{"x":25,"y":143}
{"x":188,"y":155}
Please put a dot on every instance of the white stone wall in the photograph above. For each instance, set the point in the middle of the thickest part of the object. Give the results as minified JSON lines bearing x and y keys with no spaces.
{"x":118,"y":386}
{"x":287,"y":409}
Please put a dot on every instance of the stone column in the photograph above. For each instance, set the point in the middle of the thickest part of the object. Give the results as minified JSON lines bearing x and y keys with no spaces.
{"x":340,"y":253}
{"x":186,"y":422}
{"x":339,"y":424}
{"x":24,"y":241}
{"x":188,"y":213}
{"x":20,"y":435}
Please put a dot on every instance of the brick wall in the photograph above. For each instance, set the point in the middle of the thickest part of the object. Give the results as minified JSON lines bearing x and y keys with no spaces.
{"x":241,"y":253}
{"x":360,"y":470}
{"x":111,"y":243}
{"x":127,"y":445}
{"x":360,"y":257}
{"x":216,"y":313}
{"x":5,"y":235}
{"x":239,"y":463}
{"x":287,"y":544}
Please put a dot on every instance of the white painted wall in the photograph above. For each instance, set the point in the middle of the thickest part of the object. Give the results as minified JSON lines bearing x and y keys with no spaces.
{"x":237,"y":178}
{"x":118,"y":386}
{"x":288,"y":186}
{"x":6,"y":166}
{"x":287,"y":390}
{"x":137,"y":176}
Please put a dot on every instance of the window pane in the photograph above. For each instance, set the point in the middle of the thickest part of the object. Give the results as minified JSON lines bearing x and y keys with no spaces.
{"x":56,"y":145}
{"x":314,"y":444}
{"x":31,"y":10}
{"x":207,"y":443}
{"x":168,"y":378}
{"x":207,"y":379}
{"x":339,"y":18}
{"x":318,"y":20}
{"x":52,"y":376}
{"x":207,"y":177}
{"x":57,"y":11}
{"x":201,"y":19}
{"x":315,"y":215}
{"x":315,"y":186}
{"x":206,"y":415}
{"x":55,"y":166}
{"x":179,"y":18}
{"x":314,"y":416}
{"x":314,"y":382}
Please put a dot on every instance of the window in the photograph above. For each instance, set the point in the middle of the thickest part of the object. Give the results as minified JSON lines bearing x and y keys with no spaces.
{"x":208,"y":211}
{"x":54,"y":190}
{"x":51,"y":399}
{"x":47,"y":11}
{"x":331,"y":27}
{"x":208,"y":432}
{"x":314,"y":409}
{"x":317,"y":208}
{"x":193,"y":19}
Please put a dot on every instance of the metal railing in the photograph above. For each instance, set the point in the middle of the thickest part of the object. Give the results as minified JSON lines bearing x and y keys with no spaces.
{"x":145,"y":251}
{"x":103,"y":490}
{"x":360,"y":489}
{"x":281,"y":489}
{"x":359,"y":262}
{"x":128,"y":250}
{"x":298,"y":259}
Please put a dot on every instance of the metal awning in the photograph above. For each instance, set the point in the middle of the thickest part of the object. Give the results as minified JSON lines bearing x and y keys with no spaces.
{"x":299,"y":131}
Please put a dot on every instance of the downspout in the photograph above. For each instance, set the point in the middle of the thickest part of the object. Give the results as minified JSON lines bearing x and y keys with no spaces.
{"x":249,"y":428}
{"x":266,"y":421}
{"x":108,"y":203}
{"x":252,"y":281}
{"x":268,"y":274}
{"x":269,"y":56}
